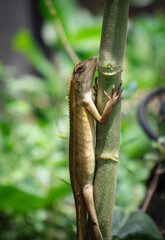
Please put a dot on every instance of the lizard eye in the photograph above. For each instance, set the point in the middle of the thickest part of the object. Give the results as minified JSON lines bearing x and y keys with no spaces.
{"x":78,"y":83}
{"x":81,"y":68}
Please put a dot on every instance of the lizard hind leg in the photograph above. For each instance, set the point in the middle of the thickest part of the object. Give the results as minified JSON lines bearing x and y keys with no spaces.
{"x":88,"y":198}
{"x":81,"y":216}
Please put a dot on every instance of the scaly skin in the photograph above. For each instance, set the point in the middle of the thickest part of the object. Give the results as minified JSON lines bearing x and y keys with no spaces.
{"x":83,"y":114}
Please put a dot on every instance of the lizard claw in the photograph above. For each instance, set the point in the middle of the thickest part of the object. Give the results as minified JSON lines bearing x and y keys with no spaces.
{"x":119,"y":99}
{"x":117,"y":91}
{"x":119,"y":87}
{"x":120,"y":93}
{"x":106,"y":94}
{"x":115,"y":96}
{"x":113,"y":89}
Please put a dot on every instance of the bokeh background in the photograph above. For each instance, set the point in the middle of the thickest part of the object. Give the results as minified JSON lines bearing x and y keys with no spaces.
{"x":35,"y":195}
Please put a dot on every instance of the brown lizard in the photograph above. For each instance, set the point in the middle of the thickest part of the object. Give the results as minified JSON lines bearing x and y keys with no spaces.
{"x":83,"y":114}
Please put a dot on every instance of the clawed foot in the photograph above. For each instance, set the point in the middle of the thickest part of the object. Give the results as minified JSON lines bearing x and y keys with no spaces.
{"x":115,"y":96}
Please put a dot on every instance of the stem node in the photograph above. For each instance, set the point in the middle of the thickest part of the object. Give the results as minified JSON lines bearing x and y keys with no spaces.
{"x":110,"y":70}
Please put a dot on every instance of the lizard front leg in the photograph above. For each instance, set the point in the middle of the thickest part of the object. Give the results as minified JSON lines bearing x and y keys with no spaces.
{"x":112,"y":100}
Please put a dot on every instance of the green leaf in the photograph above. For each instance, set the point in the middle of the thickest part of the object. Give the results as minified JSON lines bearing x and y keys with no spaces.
{"x":64,"y":181}
{"x":27,"y":83}
{"x":58,"y":192}
{"x":19,"y":200}
{"x":19,"y":107}
{"x":15,"y":198}
{"x":61,"y":136}
{"x":130,"y":89}
{"x":133,"y":226}
{"x":132,"y":130}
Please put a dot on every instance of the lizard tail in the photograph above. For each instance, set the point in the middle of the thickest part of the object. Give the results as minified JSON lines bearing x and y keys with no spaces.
{"x":81,"y":217}
{"x":88,"y":198}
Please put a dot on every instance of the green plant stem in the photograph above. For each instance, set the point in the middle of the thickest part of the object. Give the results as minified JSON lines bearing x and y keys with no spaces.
{"x":61,"y":31}
{"x":112,"y":49}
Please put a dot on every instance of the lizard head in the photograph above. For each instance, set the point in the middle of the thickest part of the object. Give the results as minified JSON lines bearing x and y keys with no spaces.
{"x":83,"y":75}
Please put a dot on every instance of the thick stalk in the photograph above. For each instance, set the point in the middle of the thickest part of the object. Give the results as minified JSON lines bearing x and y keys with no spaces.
{"x":112,"y":49}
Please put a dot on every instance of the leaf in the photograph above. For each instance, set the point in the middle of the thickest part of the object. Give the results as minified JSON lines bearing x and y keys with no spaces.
{"x":19,"y":107}
{"x":28,"y":84}
{"x":61,"y":136}
{"x":132,"y":130}
{"x":19,"y":200}
{"x":130,"y":89}
{"x":64,"y":181}
{"x":58,"y":192}
{"x":129,"y":141}
{"x":15,"y":198}
{"x":135,"y":225}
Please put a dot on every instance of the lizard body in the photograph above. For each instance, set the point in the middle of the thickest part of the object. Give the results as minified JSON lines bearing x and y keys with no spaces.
{"x":83,"y":114}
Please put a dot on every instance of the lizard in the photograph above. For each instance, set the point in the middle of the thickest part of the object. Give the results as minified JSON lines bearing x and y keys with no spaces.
{"x":83,"y":114}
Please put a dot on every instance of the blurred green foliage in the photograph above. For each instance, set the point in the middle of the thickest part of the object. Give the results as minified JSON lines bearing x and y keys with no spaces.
{"x":134,"y":225}
{"x":36,"y":200}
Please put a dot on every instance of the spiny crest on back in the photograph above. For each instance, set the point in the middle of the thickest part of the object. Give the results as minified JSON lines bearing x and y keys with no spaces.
{"x":70,"y":87}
